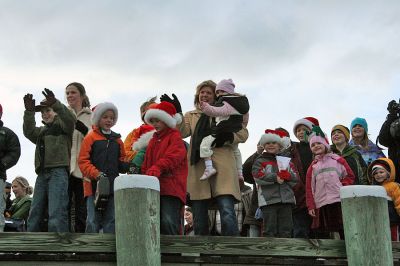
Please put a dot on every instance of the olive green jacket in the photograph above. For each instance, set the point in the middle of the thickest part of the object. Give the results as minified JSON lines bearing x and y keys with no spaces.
{"x":20,"y":208}
{"x":53,"y":141}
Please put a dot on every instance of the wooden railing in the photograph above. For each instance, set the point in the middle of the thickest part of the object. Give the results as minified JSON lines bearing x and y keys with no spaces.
{"x":99,"y":249}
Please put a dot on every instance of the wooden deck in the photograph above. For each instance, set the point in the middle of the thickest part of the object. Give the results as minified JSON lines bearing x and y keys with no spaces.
{"x":99,"y":249}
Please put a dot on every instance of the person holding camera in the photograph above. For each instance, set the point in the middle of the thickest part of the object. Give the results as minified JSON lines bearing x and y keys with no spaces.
{"x":389,"y":135}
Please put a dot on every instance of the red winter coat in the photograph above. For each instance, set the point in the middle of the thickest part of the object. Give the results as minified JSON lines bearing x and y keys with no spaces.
{"x":166,"y":159}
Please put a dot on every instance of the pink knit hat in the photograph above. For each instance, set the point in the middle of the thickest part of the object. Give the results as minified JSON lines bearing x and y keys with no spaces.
{"x":226,"y":85}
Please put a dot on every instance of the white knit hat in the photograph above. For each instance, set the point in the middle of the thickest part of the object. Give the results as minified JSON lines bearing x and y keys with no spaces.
{"x":100,"y":109}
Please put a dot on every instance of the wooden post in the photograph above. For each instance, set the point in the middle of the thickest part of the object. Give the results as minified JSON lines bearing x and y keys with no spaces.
{"x":366,"y":225}
{"x":137,"y":220}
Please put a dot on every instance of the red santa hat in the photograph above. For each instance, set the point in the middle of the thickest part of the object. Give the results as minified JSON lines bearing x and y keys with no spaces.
{"x":145,"y":134}
{"x":273,"y":136}
{"x":164,"y":111}
{"x":307,"y":121}
{"x":100,"y":109}
{"x":286,"y":142}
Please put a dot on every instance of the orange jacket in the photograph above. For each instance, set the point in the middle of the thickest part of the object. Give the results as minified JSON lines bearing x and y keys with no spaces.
{"x":132,"y":137}
{"x":392,"y":188}
{"x":101,"y":153}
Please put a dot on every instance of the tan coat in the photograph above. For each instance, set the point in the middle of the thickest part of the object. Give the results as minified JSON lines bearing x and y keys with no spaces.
{"x":226,"y":180}
{"x":77,"y":137}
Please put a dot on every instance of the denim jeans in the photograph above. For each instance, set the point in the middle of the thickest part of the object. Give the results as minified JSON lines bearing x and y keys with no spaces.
{"x":76,"y":203}
{"x":170,"y":215}
{"x":97,"y":220}
{"x":301,"y":223}
{"x":226,"y":207}
{"x":278,"y":221}
{"x":2,"y":203}
{"x":51,"y":190}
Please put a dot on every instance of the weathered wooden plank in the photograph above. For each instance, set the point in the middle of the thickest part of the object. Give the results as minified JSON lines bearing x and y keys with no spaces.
{"x":57,"y":242}
{"x":203,"y":245}
{"x":253,"y":246}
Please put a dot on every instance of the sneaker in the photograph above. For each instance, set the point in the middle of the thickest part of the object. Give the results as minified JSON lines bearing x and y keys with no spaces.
{"x":208,"y":173}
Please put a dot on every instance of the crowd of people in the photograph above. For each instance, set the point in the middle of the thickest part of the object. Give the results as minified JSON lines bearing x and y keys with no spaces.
{"x":295,"y":184}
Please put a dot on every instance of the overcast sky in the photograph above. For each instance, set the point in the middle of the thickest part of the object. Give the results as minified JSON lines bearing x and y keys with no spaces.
{"x":334,"y":60}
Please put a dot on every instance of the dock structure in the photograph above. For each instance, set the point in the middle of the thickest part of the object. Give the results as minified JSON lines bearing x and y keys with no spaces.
{"x":138,"y":242}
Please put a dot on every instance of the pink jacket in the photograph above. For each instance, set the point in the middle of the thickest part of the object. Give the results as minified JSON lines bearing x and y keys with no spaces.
{"x":222,"y":111}
{"x":325,"y":176}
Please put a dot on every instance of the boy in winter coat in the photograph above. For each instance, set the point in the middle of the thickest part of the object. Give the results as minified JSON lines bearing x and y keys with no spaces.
{"x":340,"y":136}
{"x":382,"y":172}
{"x":134,"y":135}
{"x":166,"y":159}
{"x":52,"y":160}
{"x":302,"y":157}
{"x":326,"y":175}
{"x":10,"y":151}
{"x":275,"y":194}
{"x":231,"y":115}
{"x":101,"y":157}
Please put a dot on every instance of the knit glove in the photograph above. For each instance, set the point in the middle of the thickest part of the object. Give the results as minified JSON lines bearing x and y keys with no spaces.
{"x":221,"y":139}
{"x":154,"y":171}
{"x":133,"y":169}
{"x":284,"y":174}
{"x":29,"y":102}
{"x":50,"y":98}
{"x":174,"y":101}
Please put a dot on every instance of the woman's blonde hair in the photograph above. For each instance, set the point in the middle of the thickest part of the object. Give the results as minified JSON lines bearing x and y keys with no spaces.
{"x":206,"y":83}
{"x":24,"y":183}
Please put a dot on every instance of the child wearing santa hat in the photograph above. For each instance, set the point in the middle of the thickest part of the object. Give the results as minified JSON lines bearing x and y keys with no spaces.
{"x":101,"y":159}
{"x":145,"y":133}
{"x":382,"y":172}
{"x":326,"y":175}
{"x":134,"y":135}
{"x":274,"y":185}
{"x":302,"y":157}
{"x":166,"y":159}
{"x":231,"y":115}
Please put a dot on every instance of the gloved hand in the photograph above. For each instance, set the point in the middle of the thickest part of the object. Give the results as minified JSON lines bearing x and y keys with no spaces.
{"x":154,"y":171}
{"x":221,"y":139}
{"x":29,"y":102}
{"x":50,"y":98}
{"x":174,"y":101}
{"x":133,"y":169}
{"x":81,"y":127}
{"x":284,"y":174}
{"x":393,"y":107}
{"x":101,"y":175}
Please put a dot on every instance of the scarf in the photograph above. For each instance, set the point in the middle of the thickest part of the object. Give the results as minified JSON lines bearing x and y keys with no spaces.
{"x":201,"y":130}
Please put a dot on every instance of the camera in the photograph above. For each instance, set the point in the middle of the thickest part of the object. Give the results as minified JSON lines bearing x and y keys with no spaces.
{"x":394,"y":107}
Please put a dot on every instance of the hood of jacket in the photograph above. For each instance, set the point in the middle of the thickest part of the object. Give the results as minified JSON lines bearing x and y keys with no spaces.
{"x":387,"y":162}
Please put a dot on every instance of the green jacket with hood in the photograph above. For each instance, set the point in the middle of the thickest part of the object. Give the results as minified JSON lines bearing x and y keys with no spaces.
{"x":356,"y":163}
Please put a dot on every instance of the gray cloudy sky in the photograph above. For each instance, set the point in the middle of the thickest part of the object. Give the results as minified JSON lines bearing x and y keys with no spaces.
{"x":334,"y":60}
